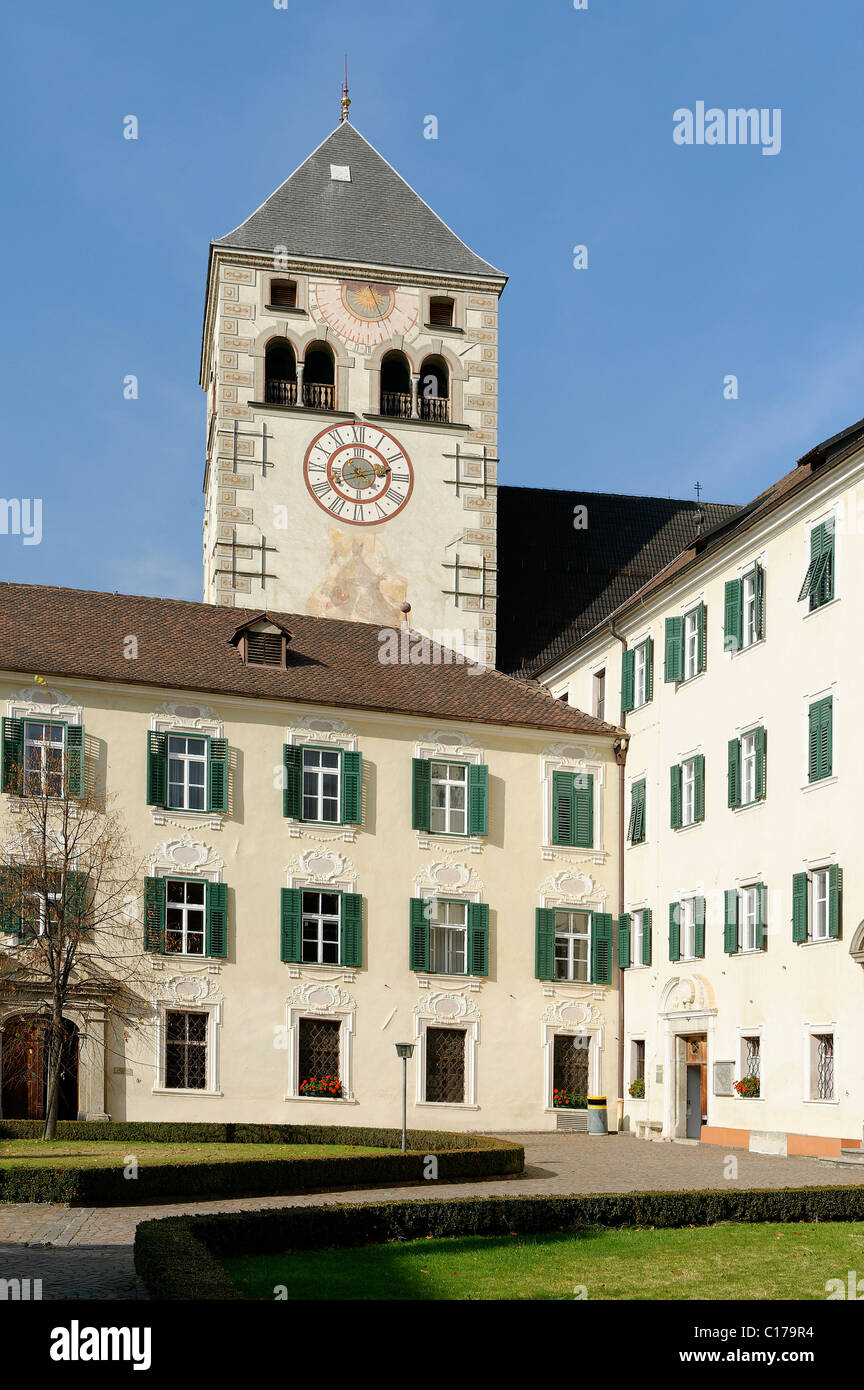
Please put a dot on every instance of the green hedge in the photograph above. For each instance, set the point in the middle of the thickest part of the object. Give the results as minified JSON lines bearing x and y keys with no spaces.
{"x":179,"y":1257}
{"x":460,"y":1156}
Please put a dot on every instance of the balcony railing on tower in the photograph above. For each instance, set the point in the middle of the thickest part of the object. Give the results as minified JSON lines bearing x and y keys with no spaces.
{"x":315,"y":396}
{"x":397,"y":405}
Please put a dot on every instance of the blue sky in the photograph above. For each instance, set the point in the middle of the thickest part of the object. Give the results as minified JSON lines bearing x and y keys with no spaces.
{"x":555,"y":129}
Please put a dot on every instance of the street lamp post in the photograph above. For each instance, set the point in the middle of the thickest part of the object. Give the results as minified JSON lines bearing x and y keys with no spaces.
{"x":404,"y":1050}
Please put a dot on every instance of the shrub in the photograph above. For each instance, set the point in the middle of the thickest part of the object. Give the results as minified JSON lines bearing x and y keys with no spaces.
{"x":637,"y":1088}
{"x":748,"y":1086}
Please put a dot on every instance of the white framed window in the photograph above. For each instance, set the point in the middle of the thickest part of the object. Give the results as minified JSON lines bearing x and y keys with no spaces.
{"x":749,"y":601}
{"x":321,"y":785}
{"x":691,"y":643}
{"x":820,"y":892}
{"x":320,"y":928}
{"x":749,"y":900}
{"x":637,"y":940}
{"x":44,"y":744}
{"x":36,"y":910}
{"x":688,"y":928}
{"x":640,"y":675}
{"x":748,"y":768}
{"x":688,"y":792}
{"x":599,"y":691}
{"x":572,"y":945}
{"x":449,"y":798}
{"x":186,"y":1067}
{"x":187,"y":772}
{"x":185,"y":917}
{"x":448,"y":937}
{"x":822,"y":1066}
{"x":637,"y":1060}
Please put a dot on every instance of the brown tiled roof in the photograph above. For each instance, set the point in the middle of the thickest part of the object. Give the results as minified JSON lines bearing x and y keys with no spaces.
{"x":187,"y":646}
{"x":815,"y":461}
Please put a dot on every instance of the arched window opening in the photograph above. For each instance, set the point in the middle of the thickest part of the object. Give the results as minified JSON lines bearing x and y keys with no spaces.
{"x":280,"y":373}
{"x":434,"y":393}
{"x":319,"y":376}
{"x":396,"y":386}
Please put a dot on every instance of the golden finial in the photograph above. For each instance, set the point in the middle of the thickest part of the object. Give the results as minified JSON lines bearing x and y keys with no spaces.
{"x":346,"y":100}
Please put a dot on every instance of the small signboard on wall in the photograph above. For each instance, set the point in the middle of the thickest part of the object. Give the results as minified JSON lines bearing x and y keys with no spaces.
{"x":724,"y":1075}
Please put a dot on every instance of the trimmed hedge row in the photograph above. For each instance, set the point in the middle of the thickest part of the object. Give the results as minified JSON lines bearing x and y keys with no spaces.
{"x":459,"y":1156}
{"x":178,"y":1258}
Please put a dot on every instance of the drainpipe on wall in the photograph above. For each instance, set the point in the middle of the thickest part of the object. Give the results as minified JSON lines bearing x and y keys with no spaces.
{"x":620,"y":746}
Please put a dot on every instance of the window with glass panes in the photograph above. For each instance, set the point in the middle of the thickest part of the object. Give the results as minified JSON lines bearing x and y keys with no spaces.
{"x":640,"y":675}
{"x":185,"y":1051}
{"x":819,"y":899}
{"x":688,"y":792}
{"x":184,"y":917}
{"x":638,"y":1060}
{"x":572,"y":945}
{"x":448,"y":811}
{"x":448,"y":933}
{"x":750,"y":618}
{"x":691,"y":644}
{"x":749,"y":923}
{"x":320,"y":785}
{"x":688,"y":929}
{"x":320,"y":928}
{"x":637,"y":939}
{"x":187,"y":773}
{"x":37,"y":910}
{"x":748,"y":768}
{"x":43,"y":759}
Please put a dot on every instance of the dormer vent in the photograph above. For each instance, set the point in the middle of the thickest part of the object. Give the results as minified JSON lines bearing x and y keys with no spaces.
{"x":262,"y":642}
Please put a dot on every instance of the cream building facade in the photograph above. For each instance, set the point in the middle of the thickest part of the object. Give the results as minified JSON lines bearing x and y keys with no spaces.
{"x":739,"y":674}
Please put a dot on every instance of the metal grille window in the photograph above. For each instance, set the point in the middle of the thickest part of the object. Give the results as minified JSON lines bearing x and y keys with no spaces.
{"x":752,"y":1056}
{"x":638,"y":1060}
{"x":320,"y":785}
{"x":569,"y":1065}
{"x":572,"y":942}
{"x":819,"y":892}
{"x":184,"y":917}
{"x":448,"y":931}
{"x":318,"y":1050}
{"x":445,"y":1065}
{"x":448,"y":805}
{"x":321,"y":928}
{"x":185,"y":1051}
{"x":824,"y":1044}
{"x":43,"y":759}
{"x":187,"y":773}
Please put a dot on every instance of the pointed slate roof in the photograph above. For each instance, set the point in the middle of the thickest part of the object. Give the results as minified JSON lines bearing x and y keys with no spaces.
{"x":374,"y":216}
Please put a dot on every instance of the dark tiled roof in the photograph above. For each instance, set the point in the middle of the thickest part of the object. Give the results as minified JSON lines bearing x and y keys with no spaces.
{"x":375,"y":218}
{"x":187,"y":646}
{"x":556,"y":583}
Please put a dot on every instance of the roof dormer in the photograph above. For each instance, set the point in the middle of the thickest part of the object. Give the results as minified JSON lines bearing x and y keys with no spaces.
{"x":261,"y":641}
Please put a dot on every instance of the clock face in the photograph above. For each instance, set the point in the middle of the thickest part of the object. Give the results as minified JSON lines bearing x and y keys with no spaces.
{"x":358,"y":474}
{"x":366,"y":314}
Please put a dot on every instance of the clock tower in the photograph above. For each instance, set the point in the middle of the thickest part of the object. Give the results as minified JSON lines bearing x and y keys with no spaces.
{"x":350,"y":360}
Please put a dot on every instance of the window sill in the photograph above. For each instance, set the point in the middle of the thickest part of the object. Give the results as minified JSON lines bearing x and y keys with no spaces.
{"x":820,"y":782}
{"x":284,"y":309}
{"x":210,"y":820}
{"x":747,"y":806}
{"x":751,"y":646}
{"x":448,"y":843}
{"x":811,"y":613}
{"x":434,"y":328}
{"x":445,"y":1105}
{"x":814,"y":1100}
{"x":324,"y":1100}
{"x":694,"y":825}
{"x":427,"y":980}
{"x":302,"y":410}
{"x":176,"y":1091}
{"x":688,"y":680}
{"x":399,"y":423}
{"x":819,"y":941}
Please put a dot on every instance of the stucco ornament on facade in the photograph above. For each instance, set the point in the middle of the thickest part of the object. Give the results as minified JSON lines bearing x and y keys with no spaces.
{"x":183,"y":712}
{"x":192,"y":856}
{"x":194,"y":987}
{"x":322,"y":866}
{"x":571,"y":886}
{"x":321,"y":998}
{"x":447,"y":1007}
{"x":686,"y":993}
{"x":572,"y":1015}
{"x":448,"y":878}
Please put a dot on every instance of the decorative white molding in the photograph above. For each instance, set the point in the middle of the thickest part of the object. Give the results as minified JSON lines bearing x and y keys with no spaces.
{"x":197,"y":820}
{"x":43,"y":701}
{"x":320,"y":865}
{"x":186,"y":856}
{"x":446,"y":1006}
{"x":314,"y":999}
{"x":572,"y":1015}
{"x":318,"y":997}
{"x":185,"y":714}
{"x":453,"y":743}
{"x":686,"y":994}
{"x":188,"y":989}
{"x":574,"y":754}
{"x":334,"y":731}
{"x":443,"y":878}
{"x":571,"y":885}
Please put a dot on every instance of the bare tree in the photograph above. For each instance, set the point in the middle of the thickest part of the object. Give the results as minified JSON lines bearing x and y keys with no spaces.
{"x":70,"y":889}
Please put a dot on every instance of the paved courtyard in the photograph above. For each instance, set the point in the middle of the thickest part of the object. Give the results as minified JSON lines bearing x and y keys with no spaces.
{"x":86,"y":1253}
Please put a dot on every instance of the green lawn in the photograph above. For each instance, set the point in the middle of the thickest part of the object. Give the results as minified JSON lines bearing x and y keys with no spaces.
{"x":15,"y":1153}
{"x":711,"y":1262}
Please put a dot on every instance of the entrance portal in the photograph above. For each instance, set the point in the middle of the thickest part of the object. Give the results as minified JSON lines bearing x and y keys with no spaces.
{"x":696,"y":1057}
{"x":25,"y":1069}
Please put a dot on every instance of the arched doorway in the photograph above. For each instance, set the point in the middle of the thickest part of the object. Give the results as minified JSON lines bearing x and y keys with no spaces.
{"x":25,"y":1070}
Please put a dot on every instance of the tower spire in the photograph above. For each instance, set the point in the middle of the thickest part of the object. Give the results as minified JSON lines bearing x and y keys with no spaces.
{"x":346,"y":100}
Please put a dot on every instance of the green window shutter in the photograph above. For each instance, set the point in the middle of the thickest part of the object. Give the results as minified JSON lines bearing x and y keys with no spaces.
{"x":157,"y":769}
{"x":649,"y":669}
{"x":421,"y":794}
{"x":699,"y":788}
{"x":13,"y":755}
{"x":835,"y":901}
{"x":820,"y":739}
{"x":217,"y":774}
{"x":827,"y":586}
{"x":628,"y":662}
{"x":154,"y":914}
{"x":733,"y":774}
{"x":601,"y":948}
{"x":624,"y":959}
{"x":216,"y":944}
{"x":699,"y":927}
{"x":646,"y":936}
{"x":75,"y":759}
{"x":674,"y":663}
{"x":291,"y":916}
{"x":818,"y":584}
{"x":759,"y":741}
{"x":292,"y":781}
{"x":351,"y":774}
{"x":544,"y":943}
{"x":76,"y":900}
{"x":352,"y":930}
{"x":674,"y":931}
{"x":636,"y":828}
{"x":702,"y":635}
{"x":730,"y":927}
{"x":478,"y":799}
{"x":583,"y":810}
{"x":675,"y":796}
{"x":10,"y":899}
{"x":759,"y":587}
{"x":563,"y":827}
{"x":761,"y":910}
{"x":799,"y":907}
{"x":733,"y":615}
{"x":478,"y":938}
{"x":418,"y":942}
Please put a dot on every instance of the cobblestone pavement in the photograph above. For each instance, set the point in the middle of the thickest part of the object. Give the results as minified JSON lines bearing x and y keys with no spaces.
{"x":86,"y":1253}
